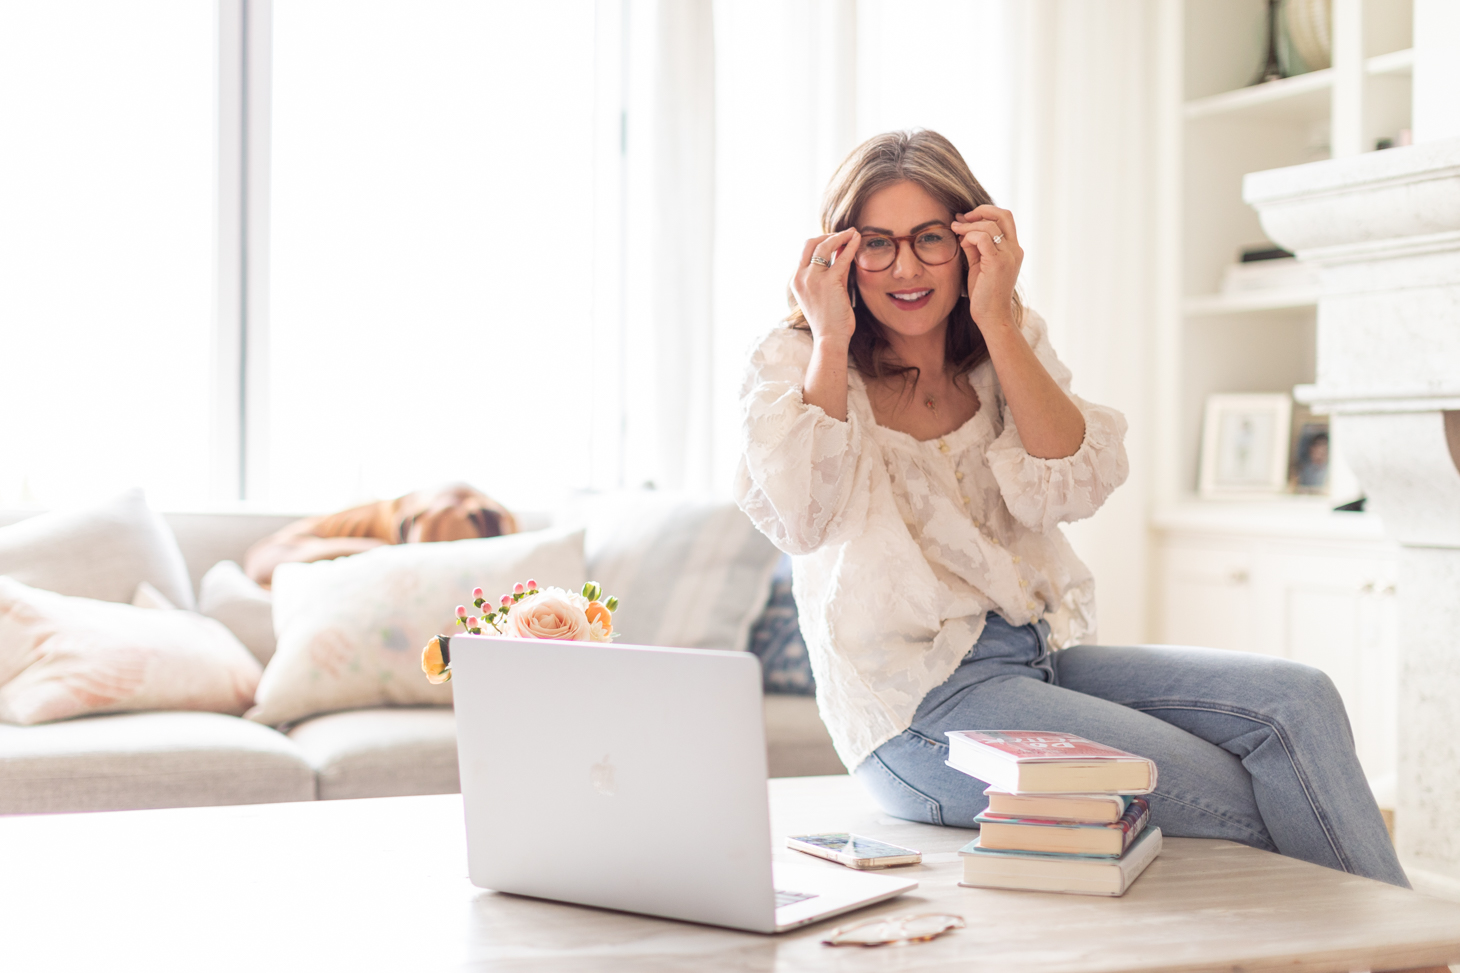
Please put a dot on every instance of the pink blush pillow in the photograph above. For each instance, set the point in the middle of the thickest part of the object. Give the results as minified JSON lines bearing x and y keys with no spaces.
{"x":62,"y":656}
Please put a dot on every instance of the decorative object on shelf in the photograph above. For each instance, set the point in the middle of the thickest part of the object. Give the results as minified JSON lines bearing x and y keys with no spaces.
{"x":1264,"y":267}
{"x":528,"y":612}
{"x":1299,"y":38}
{"x":1308,"y":467}
{"x":1272,"y":69}
{"x":1307,"y":26}
{"x":1244,"y":449}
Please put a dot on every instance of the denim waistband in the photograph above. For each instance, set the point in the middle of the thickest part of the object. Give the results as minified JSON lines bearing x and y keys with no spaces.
{"x":1002,"y":650}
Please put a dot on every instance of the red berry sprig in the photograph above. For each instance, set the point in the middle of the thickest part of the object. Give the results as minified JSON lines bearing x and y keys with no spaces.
{"x":495,"y":616}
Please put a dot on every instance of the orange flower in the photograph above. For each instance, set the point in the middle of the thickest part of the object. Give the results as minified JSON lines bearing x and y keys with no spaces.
{"x":597,"y":612}
{"x":433,"y":664}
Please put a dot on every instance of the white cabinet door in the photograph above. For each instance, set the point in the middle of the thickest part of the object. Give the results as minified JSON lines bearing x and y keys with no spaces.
{"x":1206,"y":597}
{"x":1327,"y":605}
{"x":1339,"y":616}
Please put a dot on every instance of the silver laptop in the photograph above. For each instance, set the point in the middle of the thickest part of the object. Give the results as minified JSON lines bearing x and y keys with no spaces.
{"x":631,"y":778}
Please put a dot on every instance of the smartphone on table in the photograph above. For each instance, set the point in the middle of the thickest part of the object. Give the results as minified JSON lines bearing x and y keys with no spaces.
{"x":854,"y":850}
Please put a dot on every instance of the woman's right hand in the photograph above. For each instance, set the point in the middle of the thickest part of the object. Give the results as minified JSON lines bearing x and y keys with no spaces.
{"x":822,"y":293}
{"x":821,"y":289}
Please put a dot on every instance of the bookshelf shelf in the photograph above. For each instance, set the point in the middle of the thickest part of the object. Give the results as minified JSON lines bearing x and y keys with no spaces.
{"x":1395,"y":62}
{"x":1213,"y":305}
{"x":1303,"y":96}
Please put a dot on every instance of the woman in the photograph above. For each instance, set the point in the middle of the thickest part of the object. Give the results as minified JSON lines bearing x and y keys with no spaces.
{"x":911,"y":438}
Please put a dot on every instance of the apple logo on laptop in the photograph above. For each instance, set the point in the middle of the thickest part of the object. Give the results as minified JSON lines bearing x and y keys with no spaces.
{"x":601,"y":776}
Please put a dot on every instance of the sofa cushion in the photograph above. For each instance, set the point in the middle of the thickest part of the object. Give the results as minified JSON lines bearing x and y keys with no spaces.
{"x":797,"y":744}
{"x":99,"y":552}
{"x":236,"y":600}
{"x":62,"y":657}
{"x":776,"y":640}
{"x":385,"y":752}
{"x":146,"y":760}
{"x":690,"y":572}
{"x":351,"y":630}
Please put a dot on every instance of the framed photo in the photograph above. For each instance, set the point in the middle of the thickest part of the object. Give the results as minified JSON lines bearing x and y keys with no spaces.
{"x":1244,"y":444}
{"x":1308,"y":467}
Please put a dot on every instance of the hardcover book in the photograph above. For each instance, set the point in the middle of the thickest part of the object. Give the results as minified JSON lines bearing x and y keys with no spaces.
{"x":1075,"y":874}
{"x":998,"y":832}
{"x":1086,"y":808}
{"x":1048,"y":763}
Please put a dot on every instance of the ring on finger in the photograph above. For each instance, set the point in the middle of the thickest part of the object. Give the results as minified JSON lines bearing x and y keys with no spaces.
{"x":821,"y":260}
{"x":997,"y":240}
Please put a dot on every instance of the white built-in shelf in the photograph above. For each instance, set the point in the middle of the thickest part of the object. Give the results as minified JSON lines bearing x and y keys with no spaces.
{"x":1279,"y":515}
{"x":1395,"y":62}
{"x":1301,"y":96}
{"x":1276,"y":299}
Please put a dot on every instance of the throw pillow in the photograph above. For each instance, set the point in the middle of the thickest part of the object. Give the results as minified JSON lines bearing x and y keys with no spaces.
{"x":689,"y":572}
{"x":785,"y":664}
{"x":102,"y":552}
{"x":351,"y":630}
{"x":62,"y":656}
{"x":149,"y":597}
{"x":232,"y":597}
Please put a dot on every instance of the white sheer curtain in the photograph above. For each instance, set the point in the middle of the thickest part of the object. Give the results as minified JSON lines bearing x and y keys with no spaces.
{"x":669,"y":242}
{"x":1085,"y":119}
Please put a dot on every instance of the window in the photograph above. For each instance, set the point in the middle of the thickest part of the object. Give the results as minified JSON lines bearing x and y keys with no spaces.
{"x":106,"y":249}
{"x":432,"y":249}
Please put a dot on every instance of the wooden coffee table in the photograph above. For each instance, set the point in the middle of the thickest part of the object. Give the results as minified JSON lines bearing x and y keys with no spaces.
{"x":381,"y":884}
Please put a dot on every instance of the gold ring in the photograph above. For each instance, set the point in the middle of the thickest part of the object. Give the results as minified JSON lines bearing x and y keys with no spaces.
{"x":821,"y":260}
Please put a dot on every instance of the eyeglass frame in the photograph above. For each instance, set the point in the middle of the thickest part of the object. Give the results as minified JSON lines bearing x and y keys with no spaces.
{"x":897,"y":246}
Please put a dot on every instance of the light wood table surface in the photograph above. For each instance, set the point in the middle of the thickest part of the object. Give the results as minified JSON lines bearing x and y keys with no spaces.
{"x":381,"y":885}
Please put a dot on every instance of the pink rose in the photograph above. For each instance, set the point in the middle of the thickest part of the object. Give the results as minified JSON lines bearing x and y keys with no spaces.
{"x":549,"y":614}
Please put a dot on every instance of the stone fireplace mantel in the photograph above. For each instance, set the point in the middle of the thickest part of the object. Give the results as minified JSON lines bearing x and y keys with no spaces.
{"x":1383,"y":232}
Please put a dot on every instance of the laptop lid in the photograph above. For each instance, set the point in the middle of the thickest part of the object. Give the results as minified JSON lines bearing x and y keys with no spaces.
{"x":625,"y":777}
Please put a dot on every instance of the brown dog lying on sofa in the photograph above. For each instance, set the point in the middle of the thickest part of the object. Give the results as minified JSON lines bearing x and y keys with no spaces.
{"x":451,"y":513}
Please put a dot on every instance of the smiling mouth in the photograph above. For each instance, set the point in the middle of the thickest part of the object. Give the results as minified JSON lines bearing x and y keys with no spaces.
{"x":911,"y":299}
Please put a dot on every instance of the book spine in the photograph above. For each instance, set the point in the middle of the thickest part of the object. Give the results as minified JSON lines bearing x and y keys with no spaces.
{"x":1137,"y":815}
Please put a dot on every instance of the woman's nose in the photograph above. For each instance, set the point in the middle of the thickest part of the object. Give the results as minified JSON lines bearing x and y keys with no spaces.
{"x":906,"y":263}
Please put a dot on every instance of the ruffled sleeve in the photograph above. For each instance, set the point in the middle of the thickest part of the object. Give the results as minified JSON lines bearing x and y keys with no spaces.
{"x":1041,"y":493}
{"x":803,"y":477}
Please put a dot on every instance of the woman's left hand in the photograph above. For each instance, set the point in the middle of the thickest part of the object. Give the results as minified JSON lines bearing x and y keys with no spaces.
{"x":993,"y":267}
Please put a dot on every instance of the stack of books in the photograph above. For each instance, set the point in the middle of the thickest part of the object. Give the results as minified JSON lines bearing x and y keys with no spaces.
{"x":1064,"y":812}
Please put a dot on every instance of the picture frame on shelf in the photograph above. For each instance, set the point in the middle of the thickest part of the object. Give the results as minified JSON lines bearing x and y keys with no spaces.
{"x":1245,"y":442}
{"x":1308,"y":467}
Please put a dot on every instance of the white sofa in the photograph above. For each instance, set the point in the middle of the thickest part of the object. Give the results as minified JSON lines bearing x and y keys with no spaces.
{"x":185,"y":759}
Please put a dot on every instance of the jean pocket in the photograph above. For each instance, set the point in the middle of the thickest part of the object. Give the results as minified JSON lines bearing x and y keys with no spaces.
{"x":895,"y":795}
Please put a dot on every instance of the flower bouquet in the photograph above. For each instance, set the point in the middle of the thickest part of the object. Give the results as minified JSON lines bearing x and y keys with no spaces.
{"x":529,"y":612}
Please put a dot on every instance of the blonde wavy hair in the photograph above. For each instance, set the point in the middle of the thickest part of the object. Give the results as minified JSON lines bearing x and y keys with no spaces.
{"x":929,"y":160}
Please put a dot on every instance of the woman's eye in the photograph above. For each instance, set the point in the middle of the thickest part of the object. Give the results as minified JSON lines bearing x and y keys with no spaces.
{"x":876,"y":243}
{"x":933,"y":237}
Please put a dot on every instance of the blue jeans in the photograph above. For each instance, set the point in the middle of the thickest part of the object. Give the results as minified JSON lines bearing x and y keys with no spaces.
{"x":1248,"y":747}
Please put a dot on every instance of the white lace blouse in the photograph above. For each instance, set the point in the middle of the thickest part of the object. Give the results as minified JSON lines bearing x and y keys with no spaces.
{"x":901,"y":547}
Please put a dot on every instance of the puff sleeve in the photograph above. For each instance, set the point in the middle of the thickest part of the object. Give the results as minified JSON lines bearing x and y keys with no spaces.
{"x":803,"y":478}
{"x":1041,"y":493}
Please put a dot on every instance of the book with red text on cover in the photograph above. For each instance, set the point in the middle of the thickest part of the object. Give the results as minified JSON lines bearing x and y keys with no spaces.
{"x":1046,"y":762}
{"x":1001,"y":833}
